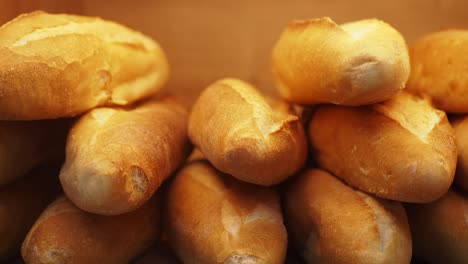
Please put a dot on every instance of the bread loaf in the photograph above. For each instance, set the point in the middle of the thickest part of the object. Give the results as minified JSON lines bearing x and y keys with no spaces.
{"x":330,"y":222}
{"x":402,"y":149}
{"x":439,"y":69}
{"x":56,"y":65}
{"x":318,"y":61}
{"x":25,"y":145}
{"x":245,"y":137}
{"x":440,"y":229}
{"x":66,"y":234}
{"x":461,"y":135}
{"x":117,"y":158}
{"x":214,"y":218}
{"x":21,"y":202}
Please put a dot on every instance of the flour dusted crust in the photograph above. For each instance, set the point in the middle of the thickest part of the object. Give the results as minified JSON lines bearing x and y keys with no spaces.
{"x":242,"y":135}
{"x":214,"y":218}
{"x":402,"y":149}
{"x":439,"y":69}
{"x":67,"y":234}
{"x":56,"y":65}
{"x":329,"y":222}
{"x":117,"y":158}
{"x":317,"y":61}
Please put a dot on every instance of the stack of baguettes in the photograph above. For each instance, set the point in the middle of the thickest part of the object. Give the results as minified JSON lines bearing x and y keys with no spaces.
{"x":90,"y":87}
{"x":85,"y":88}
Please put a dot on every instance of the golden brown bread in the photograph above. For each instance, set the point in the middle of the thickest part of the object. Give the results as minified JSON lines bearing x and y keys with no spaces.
{"x":214,"y":218}
{"x":243,"y":136}
{"x":439,"y":69}
{"x":66,"y":234}
{"x":330,"y":222}
{"x":21,"y":202}
{"x":25,"y":145}
{"x":318,"y":61}
{"x":461,"y":135}
{"x":56,"y":65}
{"x":440,"y":229}
{"x":402,"y":149}
{"x":117,"y":158}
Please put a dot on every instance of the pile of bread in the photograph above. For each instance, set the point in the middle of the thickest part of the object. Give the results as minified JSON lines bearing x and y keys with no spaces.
{"x":354,"y":165}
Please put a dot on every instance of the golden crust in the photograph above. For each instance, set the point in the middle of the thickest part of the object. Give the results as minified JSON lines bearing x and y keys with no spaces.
{"x":330,"y":222}
{"x":439,"y":69}
{"x":401,"y":149}
{"x":66,"y":234}
{"x":63,"y":65}
{"x":440,"y":229}
{"x":245,"y":137}
{"x":214,"y":218}
{"x":317,"y":61}
{"x":117,"y":158}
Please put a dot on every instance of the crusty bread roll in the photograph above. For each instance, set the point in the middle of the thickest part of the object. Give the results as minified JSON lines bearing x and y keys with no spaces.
{"x":117,"y":158}
{"x":66,"y":234}
{"x":318,"y":61}
{"x":240,"y":134}
{"x":21,"y":203}
{"x":402,"y":149}
{"x":460,"y":126}
{"x":331,"y":223}
{"x":63,"y":65}
{"x":214,"y":218}
{"x":440,"y":229}
{"x":439,"y":69}
{"x":25,"y":145}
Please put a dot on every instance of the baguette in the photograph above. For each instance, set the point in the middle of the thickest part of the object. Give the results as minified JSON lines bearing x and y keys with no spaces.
{"x":26,"y":145}
{"x":402,"y":149}
{"x":117,"y":158}
{"x":66,"y":234}
{"x":57,"y":65}
{"x":317,"y":61}
{"x":214,"y":218}
{"x":330,"y":222}
{"x":440,"y":229}
{"x":21,"y":203}
{"x":439,"y":69}
{"x":244,"y":137}
{"x":461,"y":135}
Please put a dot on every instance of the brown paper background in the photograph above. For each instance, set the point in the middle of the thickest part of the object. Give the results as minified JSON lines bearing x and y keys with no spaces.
{"x":208,"y":39}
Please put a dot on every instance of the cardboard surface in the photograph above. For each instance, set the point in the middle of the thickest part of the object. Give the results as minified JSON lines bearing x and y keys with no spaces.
{"x":208,"y":39}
